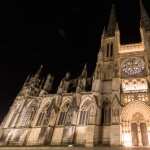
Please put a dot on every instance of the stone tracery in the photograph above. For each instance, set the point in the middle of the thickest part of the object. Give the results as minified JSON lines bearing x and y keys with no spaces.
{"x":28,"y":114}
{"x":133,"y":66}
{"x":81,"y":115}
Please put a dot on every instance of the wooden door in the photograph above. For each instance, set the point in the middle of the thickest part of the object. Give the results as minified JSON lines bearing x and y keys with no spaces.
{"x":134,"y":132}
{"x":144,"y":135}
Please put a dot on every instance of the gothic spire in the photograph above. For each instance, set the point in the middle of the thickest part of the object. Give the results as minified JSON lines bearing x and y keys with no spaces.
{"x":112,"y":22}
{"x":84,"y":72}
{"x":27,"y":79}
{"x":145,"y":20}
{"x":104,"y":32}
{"x":117,"y":27}
{"x":38,"y":72}
{"x":42,"y":83}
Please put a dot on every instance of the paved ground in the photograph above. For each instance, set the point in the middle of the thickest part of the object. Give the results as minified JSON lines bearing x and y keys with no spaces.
{"x":72,"y":148}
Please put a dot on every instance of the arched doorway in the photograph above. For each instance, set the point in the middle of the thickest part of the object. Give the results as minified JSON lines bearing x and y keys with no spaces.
{"x":135,"y":124}
{"x":139,"y":130}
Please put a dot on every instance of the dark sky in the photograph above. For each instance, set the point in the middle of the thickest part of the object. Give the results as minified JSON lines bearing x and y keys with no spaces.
{"x":61,"y":35}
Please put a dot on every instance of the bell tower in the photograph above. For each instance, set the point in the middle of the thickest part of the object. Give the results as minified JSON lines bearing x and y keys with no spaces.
{"x":111,"y":37}
{"x":110,"y":43}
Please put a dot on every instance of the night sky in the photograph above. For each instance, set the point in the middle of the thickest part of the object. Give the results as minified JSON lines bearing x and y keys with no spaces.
{"x":62,"y":36}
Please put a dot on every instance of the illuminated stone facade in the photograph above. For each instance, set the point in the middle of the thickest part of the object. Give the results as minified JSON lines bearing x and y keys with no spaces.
{"x":112,"y":107}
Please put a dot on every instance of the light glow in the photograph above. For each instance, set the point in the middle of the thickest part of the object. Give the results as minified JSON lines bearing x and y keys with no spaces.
{"x":126,"y":138}
{"x":149,"y":137}
{"x":130,"y":48}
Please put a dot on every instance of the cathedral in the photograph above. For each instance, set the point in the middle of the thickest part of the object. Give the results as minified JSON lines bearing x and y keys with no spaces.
{"x":111,"y":107}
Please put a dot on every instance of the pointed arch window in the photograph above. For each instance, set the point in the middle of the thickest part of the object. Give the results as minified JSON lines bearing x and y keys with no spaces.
{"x":83,"y":118}
{"x":107,"y":51}
{"x":67,"y":114}
{"x":40,"y":119}
{"x":106,"y":113}
{"x":45,"y":116}
{"x":87,"y":113}
{"x":111,"y":50}
{"x":63,"y":113}
{"x":62,"y":118}
{"x":15,"y":113}
{"x":28,"y":115}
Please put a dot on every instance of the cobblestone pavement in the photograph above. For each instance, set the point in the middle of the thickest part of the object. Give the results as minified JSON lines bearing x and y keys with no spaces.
{"x":73,"y":148}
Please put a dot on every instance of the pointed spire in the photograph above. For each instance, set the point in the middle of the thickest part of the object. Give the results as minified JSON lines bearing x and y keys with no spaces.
{"x":145,"y":20}
{"x":38,"y":72}
{"x":27,"y":79}
{"x":84,"y":72}
{"x":104,"y":32}
{"x":42,"y":83}
{"x":117,"y":27}
{"x":112,"y":21}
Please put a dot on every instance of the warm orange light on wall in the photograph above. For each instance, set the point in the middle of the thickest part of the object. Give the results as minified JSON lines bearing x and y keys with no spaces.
{"x":126,"y":139}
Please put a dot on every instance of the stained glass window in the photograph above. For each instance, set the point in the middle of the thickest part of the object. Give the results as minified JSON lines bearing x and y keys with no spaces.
{"x":133,"y":66}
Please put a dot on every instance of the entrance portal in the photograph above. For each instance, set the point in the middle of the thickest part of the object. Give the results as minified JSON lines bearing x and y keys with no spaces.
{"x":135,"y":124}
{"x":139,"y":134}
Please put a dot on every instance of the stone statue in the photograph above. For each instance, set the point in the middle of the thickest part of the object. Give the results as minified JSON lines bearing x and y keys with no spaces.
{"x":115,"y":113}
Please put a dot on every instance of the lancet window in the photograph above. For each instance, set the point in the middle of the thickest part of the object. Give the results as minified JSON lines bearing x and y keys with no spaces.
{"x":28,"y":115}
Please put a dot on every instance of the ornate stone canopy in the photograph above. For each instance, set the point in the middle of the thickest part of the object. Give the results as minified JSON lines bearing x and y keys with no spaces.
{"x":133,"y":108}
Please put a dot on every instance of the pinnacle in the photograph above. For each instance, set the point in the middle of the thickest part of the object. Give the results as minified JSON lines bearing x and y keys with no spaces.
{"x":112,"y":21}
